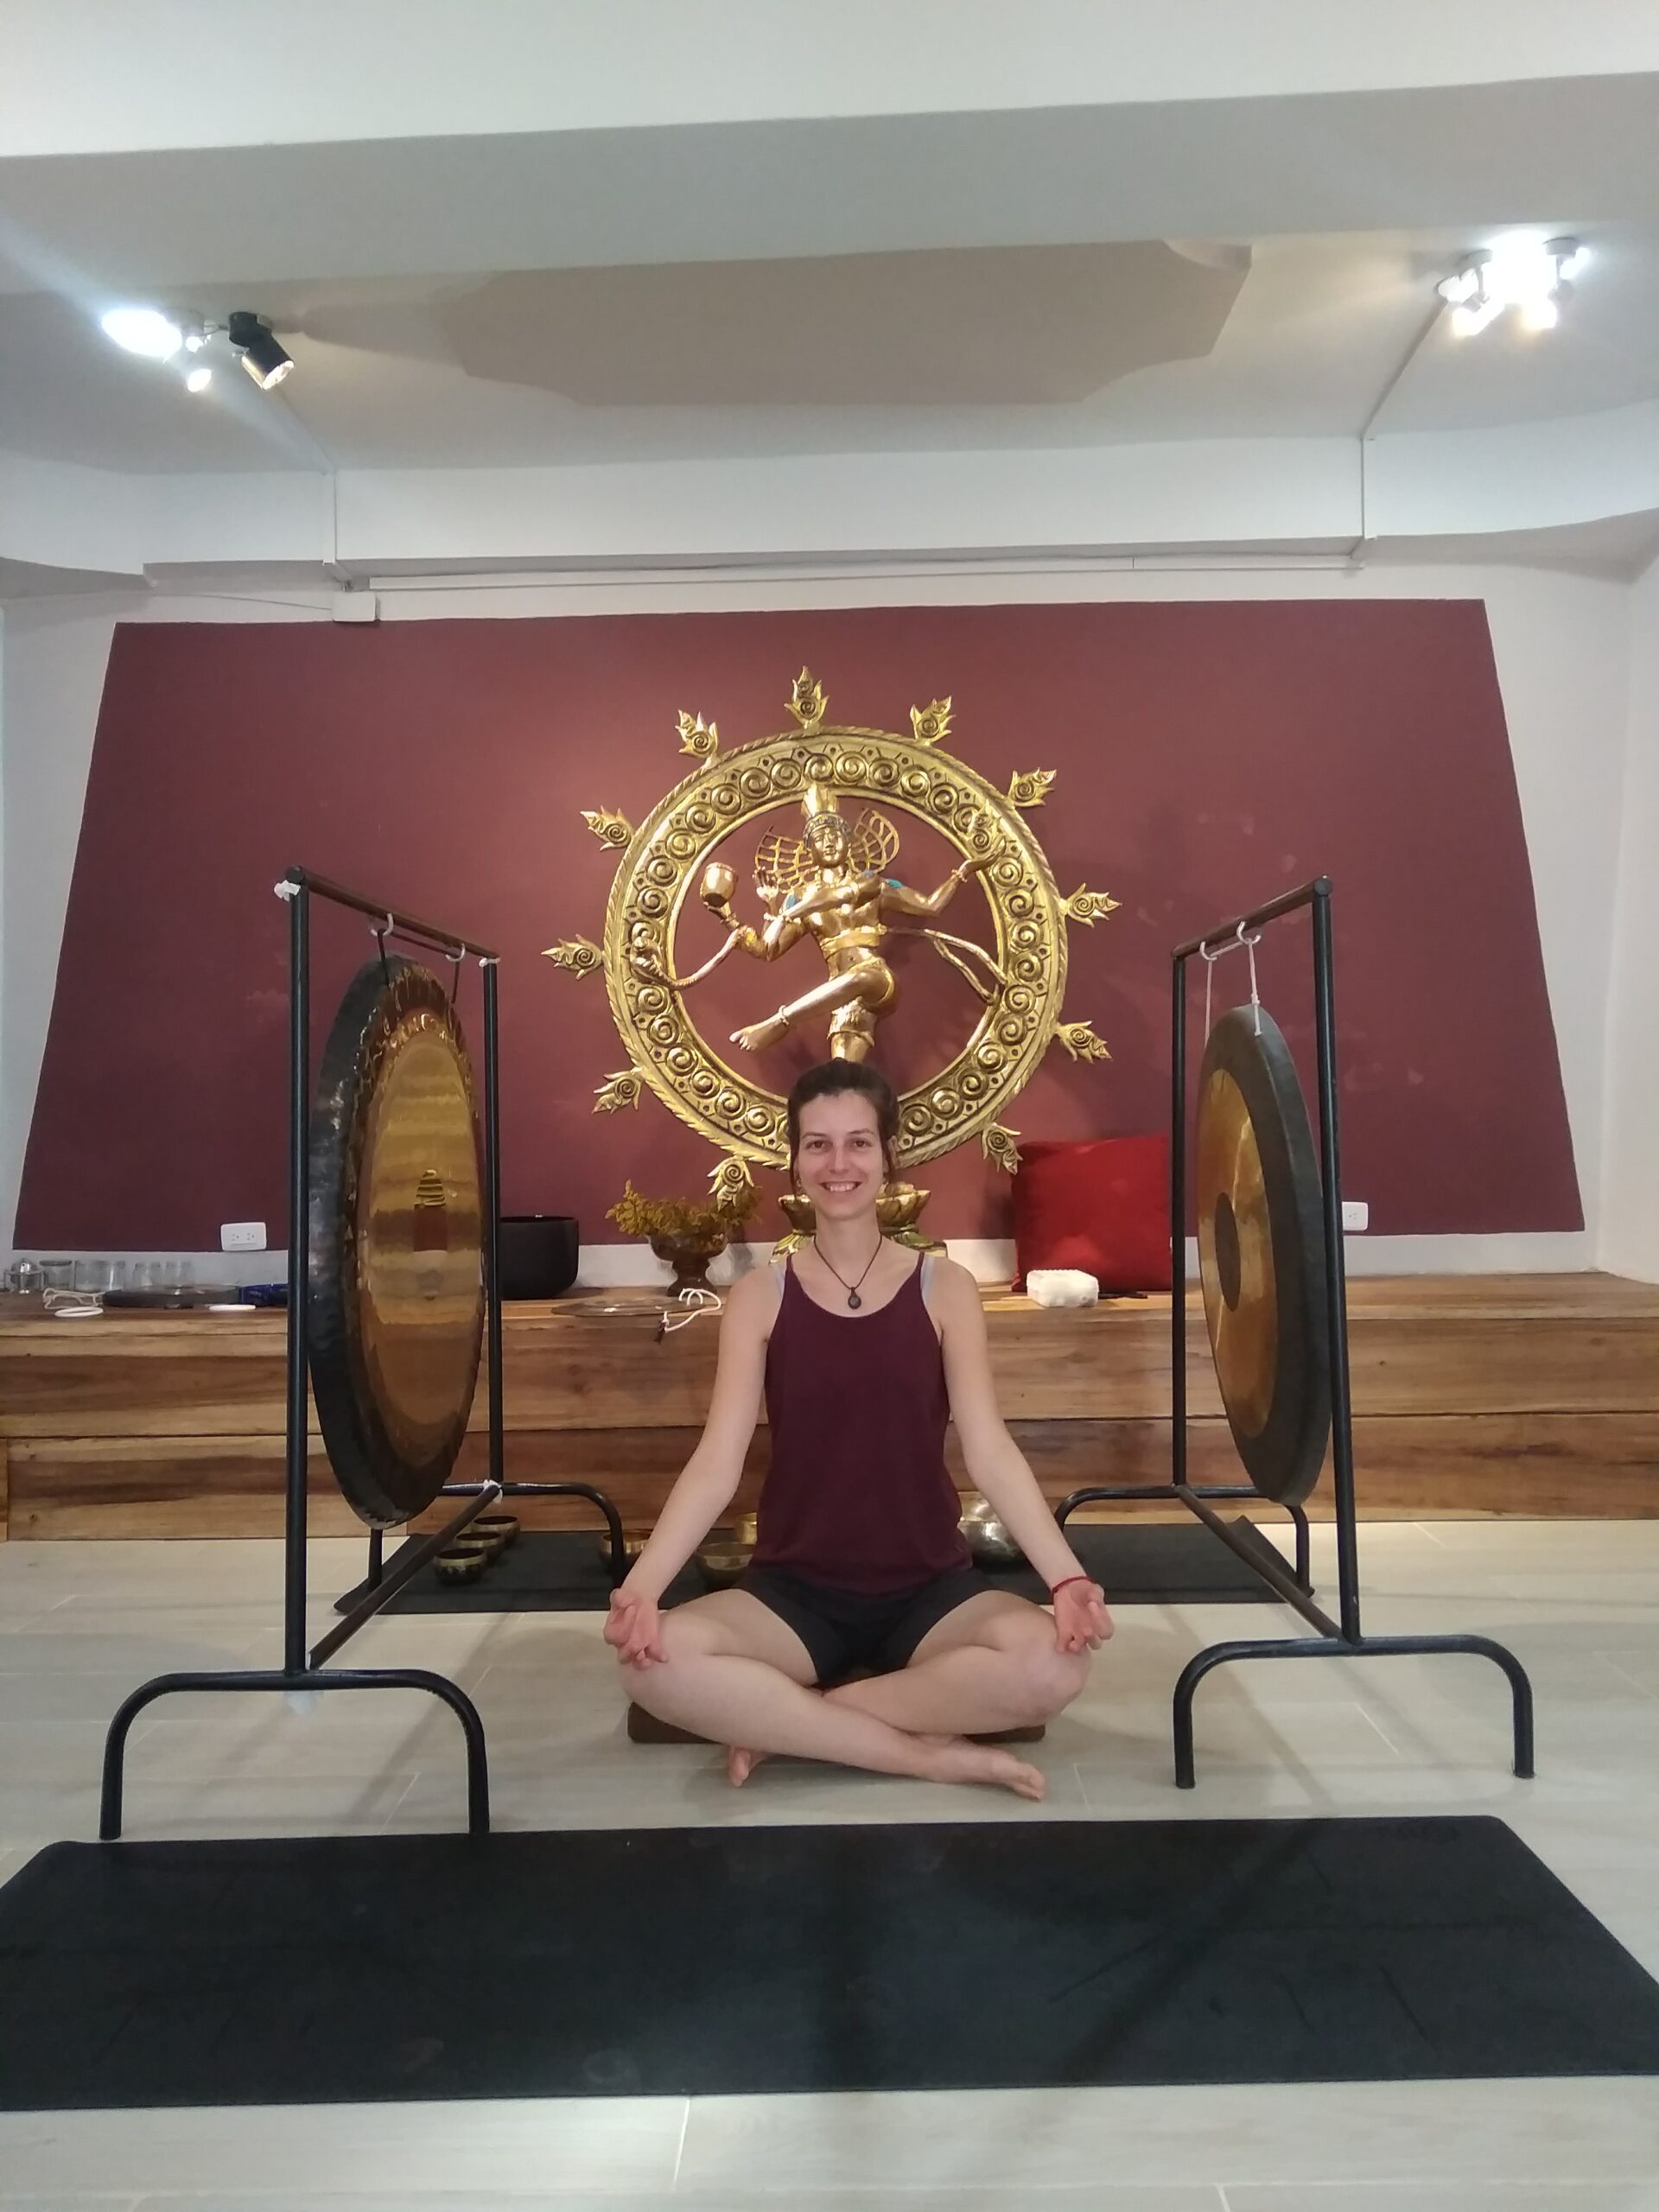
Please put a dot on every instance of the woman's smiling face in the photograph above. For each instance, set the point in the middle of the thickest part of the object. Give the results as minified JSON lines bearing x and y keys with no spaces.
{"x":839,"y":1161}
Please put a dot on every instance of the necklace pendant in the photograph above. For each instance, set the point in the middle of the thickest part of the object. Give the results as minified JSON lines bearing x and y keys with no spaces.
{"x":854,"y":1300}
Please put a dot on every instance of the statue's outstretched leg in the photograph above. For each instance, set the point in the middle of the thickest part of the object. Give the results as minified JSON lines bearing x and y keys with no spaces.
{"x":860,"y":991}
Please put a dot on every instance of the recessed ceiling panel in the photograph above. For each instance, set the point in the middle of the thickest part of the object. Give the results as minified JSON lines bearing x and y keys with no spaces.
{"x":1023,"y":325}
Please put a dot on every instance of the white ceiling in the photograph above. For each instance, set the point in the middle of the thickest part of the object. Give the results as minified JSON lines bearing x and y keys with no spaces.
{"x":1117,"y":228}
{"x":958,"y":350}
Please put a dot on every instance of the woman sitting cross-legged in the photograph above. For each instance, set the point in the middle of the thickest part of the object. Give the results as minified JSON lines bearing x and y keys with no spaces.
{"x":865,"y":1350}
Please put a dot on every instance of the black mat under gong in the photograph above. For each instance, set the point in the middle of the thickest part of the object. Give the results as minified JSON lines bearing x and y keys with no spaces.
{"x":710,"y":1961}
{"x":1138,"y":1563}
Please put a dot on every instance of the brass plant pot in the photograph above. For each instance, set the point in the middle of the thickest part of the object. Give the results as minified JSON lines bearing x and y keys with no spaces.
{"x":689,"y":1256}
{"x":726,"y":1552}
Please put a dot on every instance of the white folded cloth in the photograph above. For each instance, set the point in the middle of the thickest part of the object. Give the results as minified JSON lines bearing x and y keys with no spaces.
{"x":1061,"y":1287}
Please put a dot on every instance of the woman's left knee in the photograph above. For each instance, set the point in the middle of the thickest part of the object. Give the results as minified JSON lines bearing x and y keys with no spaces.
{"x":1051,"y":1678}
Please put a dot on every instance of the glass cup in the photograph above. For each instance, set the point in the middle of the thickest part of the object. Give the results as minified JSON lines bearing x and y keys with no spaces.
{"x":57,"y":1274}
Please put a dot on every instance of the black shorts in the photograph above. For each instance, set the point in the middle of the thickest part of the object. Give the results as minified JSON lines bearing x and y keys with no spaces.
{"x":844,"y":1629}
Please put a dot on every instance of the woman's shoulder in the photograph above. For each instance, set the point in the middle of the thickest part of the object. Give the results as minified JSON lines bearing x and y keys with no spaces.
{"x":945,"y":1281}
{"x":753,"y":1299}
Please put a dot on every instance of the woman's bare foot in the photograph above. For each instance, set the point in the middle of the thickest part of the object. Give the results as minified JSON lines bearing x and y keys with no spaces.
{"x":950,"y":1758}
{"x":959,"y":1760}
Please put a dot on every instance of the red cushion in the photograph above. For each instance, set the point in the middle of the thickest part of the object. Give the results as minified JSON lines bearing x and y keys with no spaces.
{"x":1102,"y":1206}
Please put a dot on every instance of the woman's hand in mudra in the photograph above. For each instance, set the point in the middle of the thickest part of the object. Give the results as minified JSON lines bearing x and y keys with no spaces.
{"x":1081,"y":1620}
{"x":635,"y":1628}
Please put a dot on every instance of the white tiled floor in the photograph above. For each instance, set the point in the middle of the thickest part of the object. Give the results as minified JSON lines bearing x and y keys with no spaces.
{"x":1578,"y":1602}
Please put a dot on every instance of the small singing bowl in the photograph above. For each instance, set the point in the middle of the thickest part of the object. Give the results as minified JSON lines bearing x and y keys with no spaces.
{"x":459,"y":1566}
{"x":499,"y":1529}
{"x":988,"y":1540}
{"x":632,"y":1548}
{"x":726,"y":1552}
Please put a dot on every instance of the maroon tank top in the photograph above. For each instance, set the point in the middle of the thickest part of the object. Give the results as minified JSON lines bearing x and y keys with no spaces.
{"x":858,"y":1495}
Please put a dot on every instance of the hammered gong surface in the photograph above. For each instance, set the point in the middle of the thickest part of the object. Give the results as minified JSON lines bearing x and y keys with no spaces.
{"x":1261,"y":1254}
{"x":395,"y":1267}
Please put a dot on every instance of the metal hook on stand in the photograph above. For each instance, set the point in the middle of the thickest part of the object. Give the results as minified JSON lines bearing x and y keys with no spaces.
{"x":1210,"y":954}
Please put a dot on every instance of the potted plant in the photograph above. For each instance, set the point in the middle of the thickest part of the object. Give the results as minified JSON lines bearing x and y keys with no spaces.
{"x":688,"y":1233}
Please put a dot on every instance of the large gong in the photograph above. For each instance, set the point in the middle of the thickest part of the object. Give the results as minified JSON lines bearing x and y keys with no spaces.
{"x":395,"y":1281}
{"x":1261,"y":1254}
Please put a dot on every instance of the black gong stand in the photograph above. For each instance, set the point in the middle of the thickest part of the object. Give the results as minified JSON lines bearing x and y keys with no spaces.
{"x":300,"y":1673}
{"x":1344,"y":1637}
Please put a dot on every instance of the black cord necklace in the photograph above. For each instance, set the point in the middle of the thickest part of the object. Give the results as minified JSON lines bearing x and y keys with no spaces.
{"x":854,"y":1300}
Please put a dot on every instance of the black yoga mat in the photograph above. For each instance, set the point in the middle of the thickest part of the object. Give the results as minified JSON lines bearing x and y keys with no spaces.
{"x":711,"y":1961}
{"x":1138,"y":1563}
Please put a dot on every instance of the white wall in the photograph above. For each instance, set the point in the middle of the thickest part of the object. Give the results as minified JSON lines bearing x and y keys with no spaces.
{"x":1630,"y":1208}
{"x":1560,"y":643}
{"x":51,"y":680}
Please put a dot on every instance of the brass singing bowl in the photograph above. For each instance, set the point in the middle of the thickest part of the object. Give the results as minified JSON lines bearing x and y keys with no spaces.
{"x":500,"y":1529}
{"x":464,"y":1563}
{"x":988,"y":1540}
{"x":632,"y":1548}
{"x":726,"y":1552}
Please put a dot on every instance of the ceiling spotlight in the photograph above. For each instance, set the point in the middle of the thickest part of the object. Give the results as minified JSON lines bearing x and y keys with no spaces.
{"x":1468,"y":319}
{"x":143,"y":330}
{"x":1531,"y":275}
{"x":199,"y":377}
{"x":265,"y":360}
{"x":1467,"y":284}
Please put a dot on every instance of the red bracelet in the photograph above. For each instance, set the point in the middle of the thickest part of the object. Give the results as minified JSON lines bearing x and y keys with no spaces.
{"x":1055,"y":1588}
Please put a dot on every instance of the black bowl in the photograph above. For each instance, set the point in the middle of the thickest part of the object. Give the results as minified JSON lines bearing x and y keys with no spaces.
{"x":539,"y":1252}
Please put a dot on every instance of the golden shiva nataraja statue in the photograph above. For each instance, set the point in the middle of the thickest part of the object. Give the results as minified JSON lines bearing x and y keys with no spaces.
{"x":835,"y":882}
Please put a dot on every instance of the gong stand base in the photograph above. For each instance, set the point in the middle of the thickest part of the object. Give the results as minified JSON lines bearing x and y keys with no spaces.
{"x":413,"y":1553}
{"x":1170,"y":1493}
{"x":1344,"y":1637}
{"x":303,"y":1674}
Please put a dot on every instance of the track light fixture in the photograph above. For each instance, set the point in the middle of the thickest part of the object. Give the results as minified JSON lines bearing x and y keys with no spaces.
{"x":1530,"y":275}
{"x":265,"y":359}
{"x":160,"y":334}
{"x":143,"y":330}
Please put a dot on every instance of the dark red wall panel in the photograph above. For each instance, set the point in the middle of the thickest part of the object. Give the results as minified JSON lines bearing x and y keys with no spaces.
{"x":1208,"y":756}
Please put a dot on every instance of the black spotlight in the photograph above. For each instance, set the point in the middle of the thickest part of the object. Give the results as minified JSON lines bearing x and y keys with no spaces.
{"x":262,"y":356}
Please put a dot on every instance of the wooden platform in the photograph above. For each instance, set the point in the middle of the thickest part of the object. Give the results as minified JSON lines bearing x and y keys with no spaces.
{"x":1523,"y":1394}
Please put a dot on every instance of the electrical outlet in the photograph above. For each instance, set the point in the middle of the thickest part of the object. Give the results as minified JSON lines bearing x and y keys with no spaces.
{"x":1355,"y":1215}
{"x":242,"y":1236}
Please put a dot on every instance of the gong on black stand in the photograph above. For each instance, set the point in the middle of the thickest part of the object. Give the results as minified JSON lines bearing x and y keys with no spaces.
{"x":1270,"y":1265}
{"x":394,"y":1297}
{"x":392,"y":1284}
